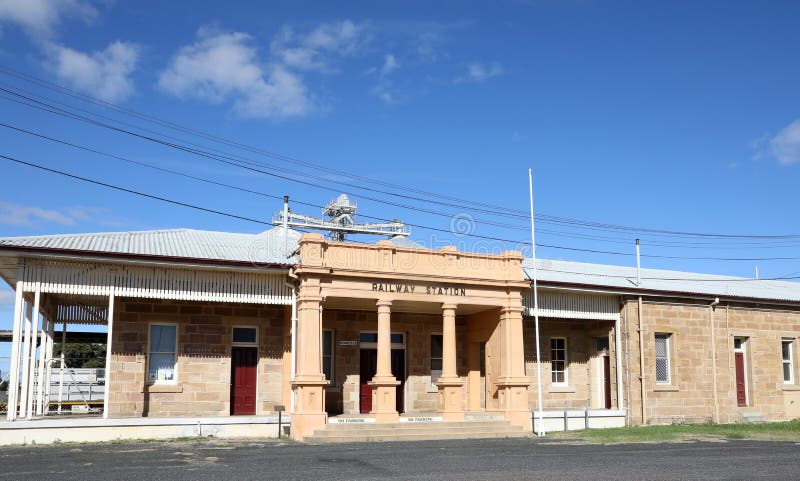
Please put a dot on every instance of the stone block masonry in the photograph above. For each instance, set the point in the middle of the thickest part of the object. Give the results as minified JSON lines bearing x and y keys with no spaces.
{"x":203,"y":366}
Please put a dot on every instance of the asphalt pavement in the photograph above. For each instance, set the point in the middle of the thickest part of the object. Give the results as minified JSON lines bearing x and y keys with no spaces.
{"x":496,"y":459}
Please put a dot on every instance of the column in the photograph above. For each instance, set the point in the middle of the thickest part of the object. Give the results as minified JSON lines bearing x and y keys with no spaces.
{"x":35,"y":318}
{"x":107,"y":386}
{"x":309,"y":381}
{"x":42,"y":365}
{"x":49,"y":365}
{"x":26,"y":361}
{"x":384,"y":385}
{"x":451,"y":386}
{"x":513,"y":383}
{"x":16,"y":344}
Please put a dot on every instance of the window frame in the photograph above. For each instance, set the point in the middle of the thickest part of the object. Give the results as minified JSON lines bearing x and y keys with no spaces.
{"x":245,"y":344}
{"x":441,"y":359}
{"x":331,"y":356}
{"x":174,"y":379}
{"x":565,"y":371}
{"x":790,"y":361}
{"x":667,"y":336}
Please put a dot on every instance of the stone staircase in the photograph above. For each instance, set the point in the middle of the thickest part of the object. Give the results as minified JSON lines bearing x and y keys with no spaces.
{"x":415,"y":431}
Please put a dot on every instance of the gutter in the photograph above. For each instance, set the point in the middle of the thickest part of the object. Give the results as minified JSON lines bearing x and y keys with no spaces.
{"x":76,"y":254}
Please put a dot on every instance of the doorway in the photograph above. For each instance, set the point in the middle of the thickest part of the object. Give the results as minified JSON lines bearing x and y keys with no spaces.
{"x":740,"y":357}
{"x":604,"y":372}
{"x":244,"y":362}
{"x":368,"y":366}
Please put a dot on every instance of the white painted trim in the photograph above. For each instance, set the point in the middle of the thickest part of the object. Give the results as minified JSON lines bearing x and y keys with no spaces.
{"x":790,"y":361}
{"x":566,"y":362}
{"x":668,"y":338}
{"x":246,"y":344}
{"x":147,"y":380}
{"x":157,"y":282}
{"x":16,"y":348}
{"x":573,"y":305}
{"x":109,"y":337}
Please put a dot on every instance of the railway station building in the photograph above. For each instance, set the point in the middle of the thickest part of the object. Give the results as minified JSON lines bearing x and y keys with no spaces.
{"x":230,"y":326}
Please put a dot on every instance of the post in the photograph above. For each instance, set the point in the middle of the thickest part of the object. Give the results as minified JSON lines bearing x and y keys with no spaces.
{"x":16,"y":344}
{"x":49,"y":365}
{"x":566,"y":417}
{"x":61,"y":374}
{"x":26,"y":362}
{"x":384,"y":385}
{"x":42,"y":365}
{"x":618,"y":356}
{"x":286,"y":226}
{"x":34,"y":334}
{"x":536,"y":313}
{"x":586,"y":416}
{"x":449,"y":384}
{"x":107,"y":387}
{"x":638,"y":264}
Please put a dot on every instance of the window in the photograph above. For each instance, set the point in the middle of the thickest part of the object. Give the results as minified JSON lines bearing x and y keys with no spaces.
{"x":787,"y":357}
{"x":436,"y":356}
{"x":663,"y":375}
{"x":161,"y":355}
{"x":558,"y":360}
{"x":245,"y":335}
{"x":327,"y":354}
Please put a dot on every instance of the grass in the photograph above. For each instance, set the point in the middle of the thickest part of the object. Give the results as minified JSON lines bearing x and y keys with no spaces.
{"x":783,"y":431}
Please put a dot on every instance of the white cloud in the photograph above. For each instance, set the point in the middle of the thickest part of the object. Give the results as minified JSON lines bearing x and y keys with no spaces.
{"x":25,"y":215}
{"x":390,"y":64}
{"x":104,"y":73}
{"x":39,"y":17}
{"x":785,"y":146}
{"x":477,"y":72}
{"x":316,"y":50}
{"x":225,"y":66}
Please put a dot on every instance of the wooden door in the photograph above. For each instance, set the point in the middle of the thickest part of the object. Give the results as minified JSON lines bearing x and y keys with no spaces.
{"x":607,"y":380}
{"x":399,"y":373}
{"x":369,"y":365}
{"x":741,"y":388}
{"x":244,"y":362}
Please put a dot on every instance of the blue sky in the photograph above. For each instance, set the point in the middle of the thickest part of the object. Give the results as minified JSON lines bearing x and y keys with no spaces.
{"x":680,"y":116}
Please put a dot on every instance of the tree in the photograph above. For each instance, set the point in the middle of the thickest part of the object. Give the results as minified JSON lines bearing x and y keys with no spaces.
{"x":82,"y":354}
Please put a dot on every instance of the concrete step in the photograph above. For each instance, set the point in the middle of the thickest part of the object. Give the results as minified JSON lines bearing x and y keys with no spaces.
{"x":412,"y":437}
{"x":375,"y":432}
{"x":423,"y":426}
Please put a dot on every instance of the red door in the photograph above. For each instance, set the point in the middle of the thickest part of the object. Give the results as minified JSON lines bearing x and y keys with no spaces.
{"x":369,"y":364}
{"x":741,"y":389}
{"x":244,"y":361}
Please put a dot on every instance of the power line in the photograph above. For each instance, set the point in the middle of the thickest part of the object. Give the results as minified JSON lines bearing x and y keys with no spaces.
{"x":497,"y":210}
{"x":274,"y":196}
{"x":250,"y":219}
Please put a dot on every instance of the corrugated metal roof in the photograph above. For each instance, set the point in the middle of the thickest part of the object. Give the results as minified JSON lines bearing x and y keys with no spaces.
{"x":623,"y":277}
{"x":268,"y":248}
{"x":264,"y":248}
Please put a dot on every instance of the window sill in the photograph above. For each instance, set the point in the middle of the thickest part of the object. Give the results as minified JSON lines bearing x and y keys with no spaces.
{"x":666,"y":388}
{"x":561,"y":388}
{"x":163,"y":388}
{"x":790,"y":387}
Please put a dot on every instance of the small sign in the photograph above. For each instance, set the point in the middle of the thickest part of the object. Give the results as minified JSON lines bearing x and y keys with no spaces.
{"x":80,"y":409}
{"x":350,"y":420}
{"x":348,"y":343}
{"x":421,"y":419}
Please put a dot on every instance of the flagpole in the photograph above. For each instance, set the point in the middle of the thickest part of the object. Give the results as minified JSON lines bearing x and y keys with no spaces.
{"x":541,"y":431}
